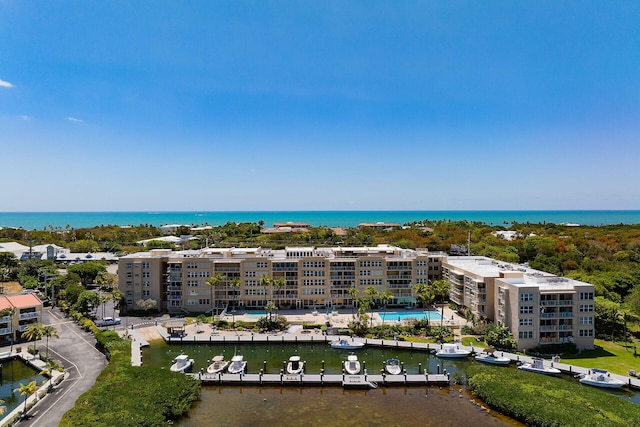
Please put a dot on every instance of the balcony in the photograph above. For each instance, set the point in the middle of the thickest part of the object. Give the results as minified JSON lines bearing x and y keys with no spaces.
{"x":174,"y":288}
{"x":5,"y":331}
{"x":556,"y":315}
{"x":5,"y":319}
{"x":30,"y":315}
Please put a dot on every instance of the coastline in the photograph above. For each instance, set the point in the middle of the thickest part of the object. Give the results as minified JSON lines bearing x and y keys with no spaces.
{"x":66,"y":220}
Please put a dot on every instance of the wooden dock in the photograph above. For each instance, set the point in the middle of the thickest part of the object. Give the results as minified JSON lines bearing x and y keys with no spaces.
{"x":336,"y":380}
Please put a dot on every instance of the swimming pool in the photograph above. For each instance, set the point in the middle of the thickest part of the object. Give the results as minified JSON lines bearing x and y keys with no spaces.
{"x":420,"y":315}
{"x":256,"y":313}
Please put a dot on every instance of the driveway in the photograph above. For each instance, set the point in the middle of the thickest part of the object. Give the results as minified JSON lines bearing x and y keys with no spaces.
{"x":82,"y":361}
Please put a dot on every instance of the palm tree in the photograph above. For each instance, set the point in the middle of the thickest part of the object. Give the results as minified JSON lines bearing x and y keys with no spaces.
{"x":353,"y":292}
{"x":33,"y":332}
{"x":278,"y":284}
{"x":372,"y":293}
{"x":49,"y":332}
{"x":213,"y":281}
{"x":385,"y":297}
{"x":270,"y":307}
{"x":3,"y":408}
{"x":26,"y":390}
{"x":424,"y":294}
{"x":103,"y":299}
{"x":52,"y":365}
{"x":116,"y":297}
{"x":441,"y":288}
{"x":235,"y":283}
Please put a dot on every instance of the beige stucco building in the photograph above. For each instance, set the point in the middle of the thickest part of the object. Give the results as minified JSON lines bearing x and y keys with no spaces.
{"x":19,"y":311}
{"x":538,"y":307}
{"x":312,"y":276}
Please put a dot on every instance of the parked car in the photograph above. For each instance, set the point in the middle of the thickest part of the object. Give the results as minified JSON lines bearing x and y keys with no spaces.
{"x":108,"y":321}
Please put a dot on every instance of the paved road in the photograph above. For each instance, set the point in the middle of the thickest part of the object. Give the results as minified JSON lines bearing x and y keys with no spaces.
{"x":82,"y":361}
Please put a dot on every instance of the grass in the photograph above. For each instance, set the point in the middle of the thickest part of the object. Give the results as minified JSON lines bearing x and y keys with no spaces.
{"x":612,"y":356}
{"x":124,"y":395}
{"x":539,"y":400}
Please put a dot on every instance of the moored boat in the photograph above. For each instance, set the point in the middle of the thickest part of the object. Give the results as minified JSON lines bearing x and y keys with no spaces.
{"x":452,"y":351}
{"x":181,"y":363}
{"x":393,"y":367}
{"x":489,"y":356}
{"x":537,"y":366}
{"x":601,"y":378}
{"x":237,"y":365}
{"x":218,"y":365}
{"x":342,"y":344}
{"x":295,"y":365}
{"x":352,"y":365}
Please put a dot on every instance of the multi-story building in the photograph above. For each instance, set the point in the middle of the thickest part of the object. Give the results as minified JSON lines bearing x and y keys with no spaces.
{"x":538,"y":307}
{"x":305,"y":276}
{"x":18,"y":312}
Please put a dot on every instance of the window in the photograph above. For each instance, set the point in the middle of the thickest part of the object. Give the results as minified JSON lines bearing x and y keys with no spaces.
{"x":587,"y":320}
{"x":146,"y":284}
{"x":193,"y":283}
{"x":146,"y":274}
{"x":586,"y":295}
{"x":249,"y":274}
{"x":129,"y":293}
{"x":313,"y":273}
{"x":365,"y":272}
{"x":526,"y":297}
{"x":313,"y":264}
{"x":370,"y":263}
{"x":204,"y":274}
{"x":204,"y":301}
{"x":370,"y":282}
{"x":585,"y":308}
{"x":146,"y":293}
{"x":421,"y":263}
{"x":261,"y":264}
{"x":313,"y":282}
{"x":129,"y":284}
{"x":129,"y":265}
{"x":525,"y":335}
{"x":526,"y":309}
{"x":251,"y":283}
{"x":129,"y":274}
{"x":192,"y":302}
{"x":313,"y":291}
{"x":586,"y":332}
{"x":145,"y":265}
{"x":526,"y":322}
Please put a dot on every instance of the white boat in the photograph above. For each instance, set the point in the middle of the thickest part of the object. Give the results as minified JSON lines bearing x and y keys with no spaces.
{"x":601,"y":378}
{"x":181,"y":363}
{"x":538,"y":367}
{"x":352,"y":366}
{"x":218,"y":365}
{"x":346,"y":345}
{"x":489,"y":356}
{"x":295,"y":366}
{"x":238,"y":365}
{"x":452,"y":351}
{"x":392,"y":367}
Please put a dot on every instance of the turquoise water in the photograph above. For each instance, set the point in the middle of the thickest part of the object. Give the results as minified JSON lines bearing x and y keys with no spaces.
{"x":39,"y":220}
{"x":419,"y":315}
{"x":256,"y":313}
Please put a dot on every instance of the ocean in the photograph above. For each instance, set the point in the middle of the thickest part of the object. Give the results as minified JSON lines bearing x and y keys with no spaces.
{"x":41,"y":220}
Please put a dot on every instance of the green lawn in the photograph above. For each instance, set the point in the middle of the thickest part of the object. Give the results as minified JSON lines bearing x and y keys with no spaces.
{"x":612,"y":356}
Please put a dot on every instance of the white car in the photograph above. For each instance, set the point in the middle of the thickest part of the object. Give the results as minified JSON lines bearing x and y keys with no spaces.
{"x":108,"y":321}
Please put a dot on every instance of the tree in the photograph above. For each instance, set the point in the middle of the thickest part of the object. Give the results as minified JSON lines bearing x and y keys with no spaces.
{"x":423,"y":294}
{"x":278,"y":284}
{"x":105,"y":280}
{"x":147,"y":305}
{"x":500,"y":336}
{"x":87,"y":271}
{"x":385,"y":297}
{"x":372,"y":293}
{"x":235,"y":285}
{"x":199,"y":321}
{"x":49,"y":332}
{"x":214,"y":281}
{"x":353,"y":292}
{"x":33,"y":332}
{"x":270,"y":307}
{"x":265,"y":282}
{"x":87,"y":300}
{"x":103,"y":299}
{"x":52,"y":365}
{"x":116,"y":297}
{"x":84,"y":245}
{"x":26,"y":390}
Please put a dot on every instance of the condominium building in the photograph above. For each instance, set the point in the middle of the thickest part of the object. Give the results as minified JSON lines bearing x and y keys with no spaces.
{"x":16,"y":313}
{"x":306,"y":276}
{"x":538,"y":307}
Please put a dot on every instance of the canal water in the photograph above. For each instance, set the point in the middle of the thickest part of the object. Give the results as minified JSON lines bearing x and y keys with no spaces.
{"x":293,"y":406}
{"x":12,"y":374}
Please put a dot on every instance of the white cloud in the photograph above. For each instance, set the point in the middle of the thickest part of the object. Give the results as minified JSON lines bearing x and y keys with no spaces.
{"x":5,"y":84}
{"x":73,"y":119}
{"x":25,"y":117}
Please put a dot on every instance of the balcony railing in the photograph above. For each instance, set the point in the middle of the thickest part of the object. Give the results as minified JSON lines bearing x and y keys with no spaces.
{"x":5,"y":319}
{"x":30,"y":315}
{"x":23,"y":328}
{"x":5,"y":331}
{"x":556,"y":315}
{"x":174,"y":288}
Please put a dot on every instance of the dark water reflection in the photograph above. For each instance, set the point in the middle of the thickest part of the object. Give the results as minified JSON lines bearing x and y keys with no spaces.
{"x":310,"y":406}
{"x":328,"y":406}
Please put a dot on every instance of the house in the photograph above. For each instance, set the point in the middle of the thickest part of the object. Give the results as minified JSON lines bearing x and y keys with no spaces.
{"x":17,"y":312}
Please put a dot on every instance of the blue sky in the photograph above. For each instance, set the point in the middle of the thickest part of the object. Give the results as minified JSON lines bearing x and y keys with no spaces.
{"x":314,"y":105}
